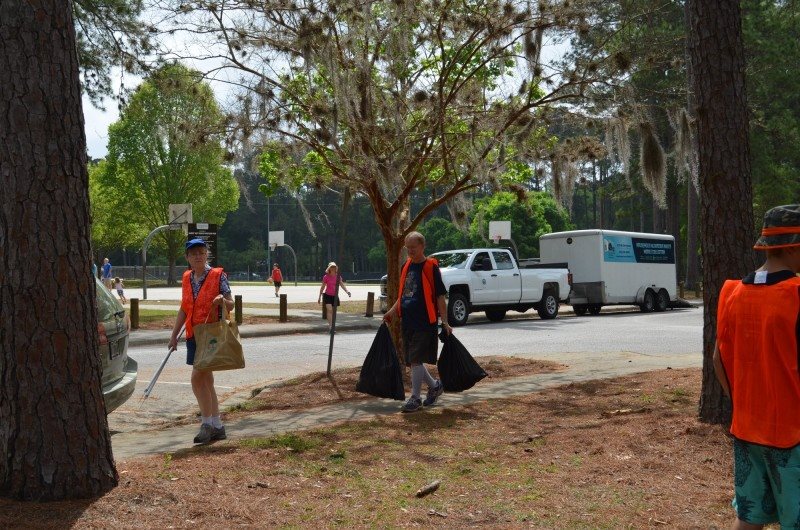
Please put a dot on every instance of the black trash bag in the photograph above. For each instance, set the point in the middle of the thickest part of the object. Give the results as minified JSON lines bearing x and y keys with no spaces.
{"x":457,"y":369}
{"x":381,"y":374}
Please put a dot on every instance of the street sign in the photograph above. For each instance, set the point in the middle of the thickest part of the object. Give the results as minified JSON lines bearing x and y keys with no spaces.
{"x":208,"y":233}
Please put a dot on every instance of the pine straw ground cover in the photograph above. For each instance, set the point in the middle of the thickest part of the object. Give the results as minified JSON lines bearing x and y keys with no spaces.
{"x":317,"y":389}
{"x":617,"y":453}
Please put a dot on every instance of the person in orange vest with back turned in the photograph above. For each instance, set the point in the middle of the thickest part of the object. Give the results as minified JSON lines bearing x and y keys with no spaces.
{"x":420,"y":303}
{"x":756,"y":362}
{"x":205,"y":290}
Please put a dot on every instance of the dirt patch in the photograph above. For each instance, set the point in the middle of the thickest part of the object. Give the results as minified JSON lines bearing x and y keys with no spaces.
{"x":619,"y":453}
{"x":318,"y":389}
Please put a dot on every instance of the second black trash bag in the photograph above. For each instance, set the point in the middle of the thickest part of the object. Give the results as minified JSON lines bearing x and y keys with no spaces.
{"x":457,"y":369}
{"x":381,"y":374}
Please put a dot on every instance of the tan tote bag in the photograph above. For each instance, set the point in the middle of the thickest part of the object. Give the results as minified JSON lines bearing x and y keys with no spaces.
{"x":219,"y":346}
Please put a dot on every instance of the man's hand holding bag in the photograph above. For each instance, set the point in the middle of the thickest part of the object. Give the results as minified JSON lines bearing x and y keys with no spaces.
{"x":219,"y":346}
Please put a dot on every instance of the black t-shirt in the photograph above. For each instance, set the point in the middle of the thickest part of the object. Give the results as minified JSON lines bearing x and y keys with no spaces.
{"x":412,"y":302}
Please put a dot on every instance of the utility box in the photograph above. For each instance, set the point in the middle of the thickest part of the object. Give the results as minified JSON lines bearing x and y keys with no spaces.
{"x":612,"y":267}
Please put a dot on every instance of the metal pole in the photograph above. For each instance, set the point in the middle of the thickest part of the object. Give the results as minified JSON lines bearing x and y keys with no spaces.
{"x":153,"y":380}
{"x":333,"y":330}
{"x":295,"y":263}
{"x":146,"y":244}
{"x":269,"y":247}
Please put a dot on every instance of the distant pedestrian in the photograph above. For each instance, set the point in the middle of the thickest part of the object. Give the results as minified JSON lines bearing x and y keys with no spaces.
{"x":94,"y":268}
{"x":205,"y":293}
{"x":120,"y":288}
{"x":276,"y":278}
{"x":107,"y":278}
{"x":756,"y":362}
{"x":420,"y":303}
{"x":329,"y":290}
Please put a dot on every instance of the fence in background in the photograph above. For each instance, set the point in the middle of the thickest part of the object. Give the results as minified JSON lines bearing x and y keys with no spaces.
{"x":160,"y":272}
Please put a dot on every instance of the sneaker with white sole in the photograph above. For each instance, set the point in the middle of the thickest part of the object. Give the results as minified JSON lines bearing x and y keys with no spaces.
{"x":433,"y":393}
{"x":218,"y":434}
{"x":205,"y":434}
{"x":412,"y":405}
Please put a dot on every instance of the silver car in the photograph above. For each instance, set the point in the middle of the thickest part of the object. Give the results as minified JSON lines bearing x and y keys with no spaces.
{"x":113,"y":327}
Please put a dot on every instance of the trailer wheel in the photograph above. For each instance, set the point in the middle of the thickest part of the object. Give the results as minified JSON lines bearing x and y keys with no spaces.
{"x":457,"y":309}
{"x":649,"y":302}
{"x":548,"y":307}
{"x":495,"y":315}
{"x":580,"y":309}
{"x":594,"y":309}
{"x":662,"y":300}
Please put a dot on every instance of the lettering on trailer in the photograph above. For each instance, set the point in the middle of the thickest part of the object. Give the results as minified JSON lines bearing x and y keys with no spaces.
{"x":625,"y":249}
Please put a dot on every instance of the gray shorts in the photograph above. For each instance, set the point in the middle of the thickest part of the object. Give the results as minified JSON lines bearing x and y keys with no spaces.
{"x":421,"y":346}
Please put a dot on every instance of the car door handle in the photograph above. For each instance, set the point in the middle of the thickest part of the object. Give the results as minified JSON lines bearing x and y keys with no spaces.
{"x":516,"y":274}
{"x":494,"y":275}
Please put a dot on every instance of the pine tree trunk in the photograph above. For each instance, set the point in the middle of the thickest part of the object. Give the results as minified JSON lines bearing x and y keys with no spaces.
{"x":692,"y":239}
{"x":726,"y":205}
{"x":54,"y":439}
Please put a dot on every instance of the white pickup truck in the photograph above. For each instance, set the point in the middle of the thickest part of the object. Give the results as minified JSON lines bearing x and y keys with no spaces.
{"x":489,"y":280}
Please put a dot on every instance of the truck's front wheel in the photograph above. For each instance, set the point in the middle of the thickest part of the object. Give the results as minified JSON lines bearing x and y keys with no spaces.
{"x":548,"y":307}
{"x":457,"y":309}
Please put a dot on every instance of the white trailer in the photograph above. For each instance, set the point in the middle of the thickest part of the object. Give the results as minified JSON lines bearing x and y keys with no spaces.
{"x":611,"y":267}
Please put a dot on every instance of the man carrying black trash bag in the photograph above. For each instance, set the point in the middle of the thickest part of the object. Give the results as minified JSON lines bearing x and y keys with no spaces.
{"x":381,"y":375}
{"x":420,"y":303}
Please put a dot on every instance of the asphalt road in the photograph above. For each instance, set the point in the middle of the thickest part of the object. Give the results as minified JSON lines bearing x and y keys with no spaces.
{"x":263,"y":293}
{"x":608,"y":343}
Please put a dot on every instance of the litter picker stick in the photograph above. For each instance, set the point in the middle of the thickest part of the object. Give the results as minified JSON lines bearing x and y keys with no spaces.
{"x":153,"y":380}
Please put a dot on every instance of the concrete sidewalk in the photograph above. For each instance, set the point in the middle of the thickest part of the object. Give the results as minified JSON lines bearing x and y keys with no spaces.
{"x":140,"y":443}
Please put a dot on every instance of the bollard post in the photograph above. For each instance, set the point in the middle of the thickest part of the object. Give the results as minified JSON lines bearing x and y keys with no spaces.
{"x":680,"y":289}
{"x":284,"y":313}
{"x":237,"y":308}
{"x":134,"y":313}
{"x":698,"y":290}
{"x":324,"y":311}
{"x":370,"y":304}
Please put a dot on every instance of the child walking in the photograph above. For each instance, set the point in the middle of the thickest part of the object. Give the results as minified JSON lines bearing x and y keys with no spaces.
{"x":328,"y":291}
{"x":120,"y":290}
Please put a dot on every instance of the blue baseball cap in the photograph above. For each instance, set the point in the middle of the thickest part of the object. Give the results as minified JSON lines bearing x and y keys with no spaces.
{"x":197,"y":242}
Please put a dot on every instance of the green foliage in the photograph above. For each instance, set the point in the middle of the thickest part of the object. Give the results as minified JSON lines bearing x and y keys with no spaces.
{"x":109,"y":230}
{"x":772,"y":43}
{"x":440,"y":234}
{"x":538,"y":214}
{"x":165,"y":149}
{"x":108,"y":34}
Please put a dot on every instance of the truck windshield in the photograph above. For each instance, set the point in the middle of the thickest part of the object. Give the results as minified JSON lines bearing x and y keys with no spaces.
{"x":455,"y":260}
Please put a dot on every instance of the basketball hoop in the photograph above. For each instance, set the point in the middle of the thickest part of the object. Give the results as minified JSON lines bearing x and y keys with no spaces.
{"x":273,"y":246}
{"x":496,"y":238}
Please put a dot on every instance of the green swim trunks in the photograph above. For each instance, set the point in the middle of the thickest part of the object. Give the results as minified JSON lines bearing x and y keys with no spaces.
{"x":767,"y":484}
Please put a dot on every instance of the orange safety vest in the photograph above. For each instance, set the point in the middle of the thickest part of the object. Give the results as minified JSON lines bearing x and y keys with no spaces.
{"x":757,"y":340}
{"x":197,"y":310}
{"x":427,"y":288}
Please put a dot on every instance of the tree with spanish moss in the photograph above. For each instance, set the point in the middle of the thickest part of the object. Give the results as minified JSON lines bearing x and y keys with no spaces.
{"x":435,"y":96}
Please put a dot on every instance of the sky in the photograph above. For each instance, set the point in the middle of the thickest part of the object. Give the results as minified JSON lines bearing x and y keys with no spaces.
{"x":97,"y":122}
